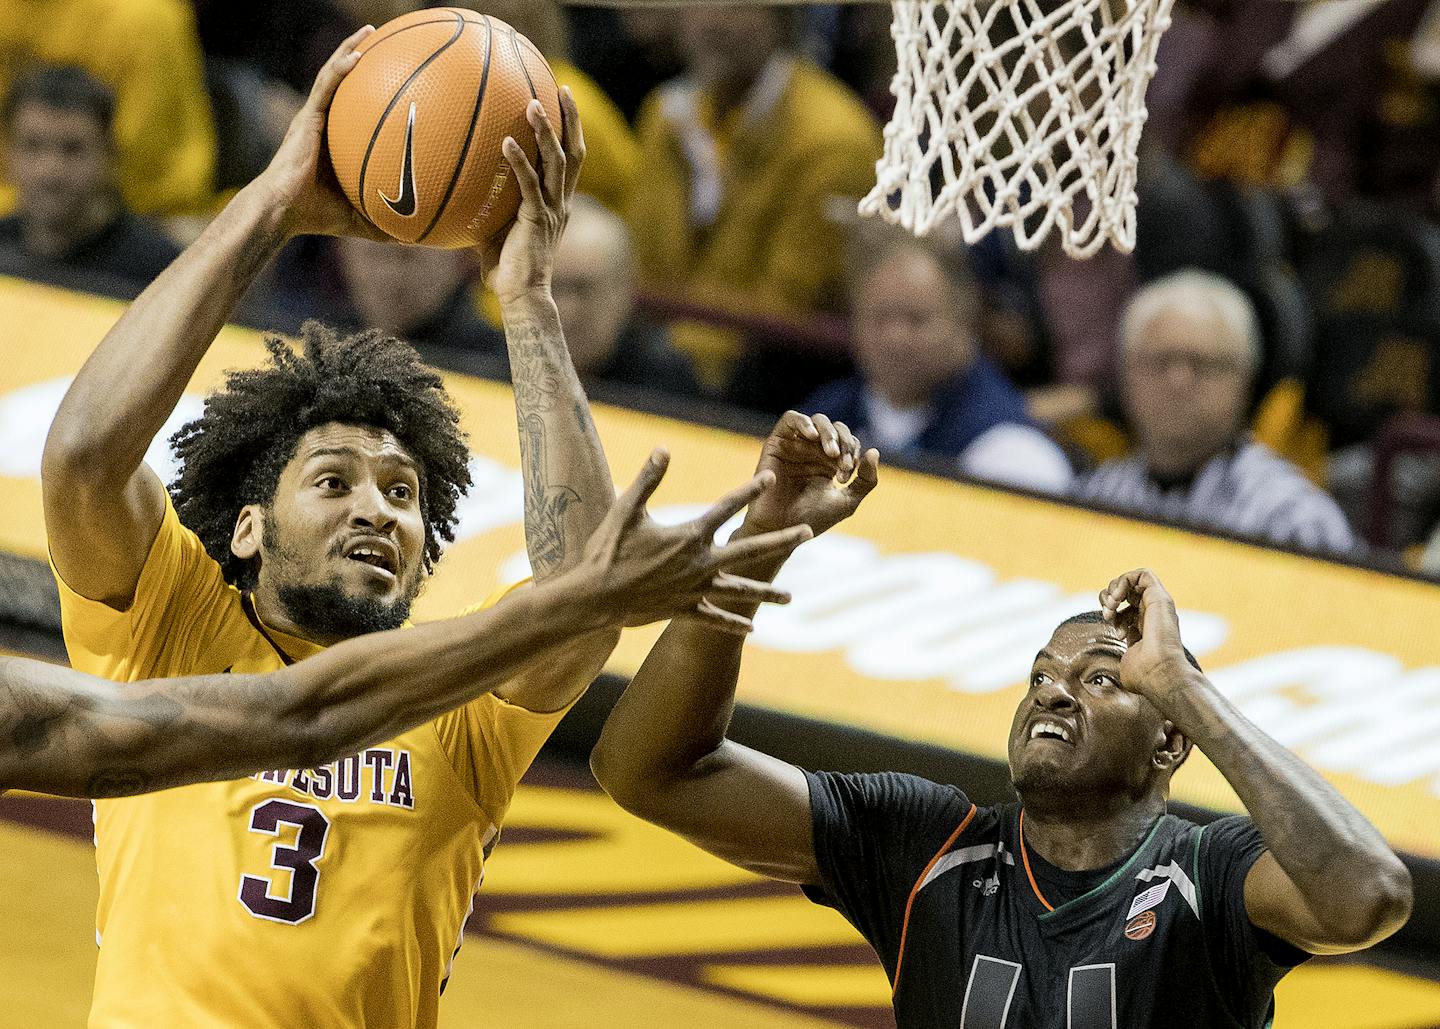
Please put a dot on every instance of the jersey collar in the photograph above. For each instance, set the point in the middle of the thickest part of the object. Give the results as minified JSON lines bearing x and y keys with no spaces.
{"x":288,"y":648}
{"x":1051,"y":912}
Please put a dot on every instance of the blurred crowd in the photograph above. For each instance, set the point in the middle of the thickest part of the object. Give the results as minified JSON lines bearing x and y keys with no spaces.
{"x":1265,"y":364}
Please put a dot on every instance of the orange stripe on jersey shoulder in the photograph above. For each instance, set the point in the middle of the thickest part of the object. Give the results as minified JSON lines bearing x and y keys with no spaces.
{"x":1025,"y":857}
{"x":910,"y":901}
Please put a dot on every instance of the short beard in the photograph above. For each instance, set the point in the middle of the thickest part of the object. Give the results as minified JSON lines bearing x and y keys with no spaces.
{"x":327,"y":611}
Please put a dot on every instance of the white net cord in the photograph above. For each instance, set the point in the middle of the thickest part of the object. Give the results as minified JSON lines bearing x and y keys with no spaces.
{"x":1021,"y":115}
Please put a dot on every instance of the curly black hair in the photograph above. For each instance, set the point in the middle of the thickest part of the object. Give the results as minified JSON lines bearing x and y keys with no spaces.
{"x":233,"y":454}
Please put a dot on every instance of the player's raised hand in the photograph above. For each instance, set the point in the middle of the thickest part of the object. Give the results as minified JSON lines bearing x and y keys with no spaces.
{"x":1140,"y":607}
{"x":639,"y":571}
{"x":299,"y":179}
{"x":821,"y":475}
{"x":519,"y":262}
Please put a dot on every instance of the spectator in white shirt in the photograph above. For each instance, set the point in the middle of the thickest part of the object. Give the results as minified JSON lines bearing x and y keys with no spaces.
{"x":1190,"y":349}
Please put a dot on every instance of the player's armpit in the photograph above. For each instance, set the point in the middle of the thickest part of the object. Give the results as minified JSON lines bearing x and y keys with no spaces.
{"x":1335,"y":925}
{"x":745,"y":807}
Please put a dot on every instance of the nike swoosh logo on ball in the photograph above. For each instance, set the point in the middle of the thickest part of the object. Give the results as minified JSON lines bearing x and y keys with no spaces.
{"x":404,"y":204}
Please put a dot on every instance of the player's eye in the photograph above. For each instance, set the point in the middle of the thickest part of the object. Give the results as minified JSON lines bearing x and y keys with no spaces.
{"x":330,"y":482}
{"x":1103,"y":679}
{"x":401,"y":492}
{"x":1038,"y":679}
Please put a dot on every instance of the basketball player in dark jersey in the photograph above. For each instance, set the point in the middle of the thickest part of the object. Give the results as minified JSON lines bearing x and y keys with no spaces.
{"x":72,"y":734}
{"x":1083,"y":906}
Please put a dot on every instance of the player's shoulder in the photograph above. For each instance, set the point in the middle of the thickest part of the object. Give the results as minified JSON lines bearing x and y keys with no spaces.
{"x":895,"y":796}
{"x":1172,"y":829}
{"x":1201,"y":846}
{"x":181,"y":600}
{"x":1230,"y":833}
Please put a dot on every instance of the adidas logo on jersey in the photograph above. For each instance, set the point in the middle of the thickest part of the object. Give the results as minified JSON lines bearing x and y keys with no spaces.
{"x":988,"y":887}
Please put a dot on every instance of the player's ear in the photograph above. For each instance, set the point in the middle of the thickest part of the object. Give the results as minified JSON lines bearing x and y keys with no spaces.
{"x":1172,"y":748}
{"x":249,"y":529}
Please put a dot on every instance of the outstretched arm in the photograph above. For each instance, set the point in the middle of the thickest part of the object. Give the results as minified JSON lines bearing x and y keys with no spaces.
{"x":568,"y":487}
{"x":72,"y":734}
{"x":102,"y":504}
{"x":68,"y":733}
{"x":1329,"y":883}
{"x":663,"y":754}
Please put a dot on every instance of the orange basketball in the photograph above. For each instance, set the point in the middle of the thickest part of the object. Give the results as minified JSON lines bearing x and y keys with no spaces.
{"x":416,"y":126}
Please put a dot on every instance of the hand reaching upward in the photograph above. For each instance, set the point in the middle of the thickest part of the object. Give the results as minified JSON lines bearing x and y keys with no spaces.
{"x":820,"y":475}
{"x":642,"y":572}
{"x":299,"y":178}
{"x":520,"y":259}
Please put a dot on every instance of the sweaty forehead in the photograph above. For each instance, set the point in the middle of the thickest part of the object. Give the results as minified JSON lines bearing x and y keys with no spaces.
{"x":1069,"y":641}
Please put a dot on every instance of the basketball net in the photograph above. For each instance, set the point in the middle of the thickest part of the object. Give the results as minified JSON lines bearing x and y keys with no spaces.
{"x":1021,"y":115}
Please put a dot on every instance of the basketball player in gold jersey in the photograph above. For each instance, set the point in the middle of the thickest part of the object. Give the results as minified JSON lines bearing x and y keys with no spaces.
{"x":64,"y":732}
{"x":313,"y":498}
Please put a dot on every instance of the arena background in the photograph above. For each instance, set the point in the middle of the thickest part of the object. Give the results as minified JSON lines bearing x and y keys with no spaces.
{"x":912,"y":627}
{"x":905,"y":648}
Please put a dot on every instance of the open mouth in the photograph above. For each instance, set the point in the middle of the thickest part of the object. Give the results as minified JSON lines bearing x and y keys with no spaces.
{"x":377,"y":557}
{"x":1049,"y":731}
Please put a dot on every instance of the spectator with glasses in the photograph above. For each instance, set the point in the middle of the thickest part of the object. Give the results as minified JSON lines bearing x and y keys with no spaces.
{"x":1190,"y":349}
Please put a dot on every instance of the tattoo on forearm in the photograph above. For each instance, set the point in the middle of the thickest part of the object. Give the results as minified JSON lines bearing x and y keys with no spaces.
{"x":536,"y":384}
{"x":547,"y":394}
{"x":545,"y":504}
{"x":583,"y":420}
{"x":54,"y":732}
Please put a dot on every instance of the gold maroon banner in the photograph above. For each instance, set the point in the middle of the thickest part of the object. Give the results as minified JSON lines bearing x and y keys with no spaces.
{"x":919,"y":617}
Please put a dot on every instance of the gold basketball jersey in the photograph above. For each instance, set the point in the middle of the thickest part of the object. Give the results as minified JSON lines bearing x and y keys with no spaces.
{"x":311,"y":898}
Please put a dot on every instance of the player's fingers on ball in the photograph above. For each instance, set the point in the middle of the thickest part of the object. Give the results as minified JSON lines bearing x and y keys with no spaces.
{"x":551,"y":155}
{"x":572,"y":137}
{"x":525,"y":175}
{"x":352,"y":41}
{"x":340,"y":62}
